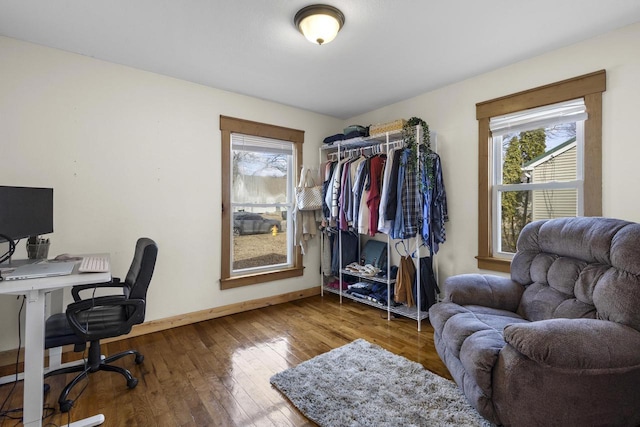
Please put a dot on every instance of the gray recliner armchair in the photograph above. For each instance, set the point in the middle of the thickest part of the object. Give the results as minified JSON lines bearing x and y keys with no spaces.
{"x":558,"y":343}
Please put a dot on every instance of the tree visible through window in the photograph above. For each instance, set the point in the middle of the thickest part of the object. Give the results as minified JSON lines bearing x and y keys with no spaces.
{"x":515,"y":204}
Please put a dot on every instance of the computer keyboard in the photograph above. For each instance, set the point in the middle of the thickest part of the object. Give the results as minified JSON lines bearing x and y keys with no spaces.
{"x":94,"y":264}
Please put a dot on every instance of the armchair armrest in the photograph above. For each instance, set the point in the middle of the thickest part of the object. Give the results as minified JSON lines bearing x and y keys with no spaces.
{"x":114,"y":283}
{"x":576,"y":343}
{"x":105,"y":317}
{"x":485,"y":290}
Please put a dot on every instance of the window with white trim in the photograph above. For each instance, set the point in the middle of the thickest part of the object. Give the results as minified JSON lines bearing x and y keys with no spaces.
{"x":538,"y":168}
{"x":261,"y":202}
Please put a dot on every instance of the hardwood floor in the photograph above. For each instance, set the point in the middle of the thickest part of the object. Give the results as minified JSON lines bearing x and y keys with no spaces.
{"x":216,"y":373}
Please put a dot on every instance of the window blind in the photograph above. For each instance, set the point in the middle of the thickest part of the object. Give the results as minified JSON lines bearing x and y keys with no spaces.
{"x":240,"y":142}
{"x":541,"y":117}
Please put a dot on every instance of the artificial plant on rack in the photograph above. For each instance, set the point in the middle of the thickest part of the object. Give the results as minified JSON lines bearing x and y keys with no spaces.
{"x":410,"y":137}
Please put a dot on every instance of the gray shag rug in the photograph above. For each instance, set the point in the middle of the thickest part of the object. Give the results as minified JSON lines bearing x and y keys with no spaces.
{"x":362,"y":384}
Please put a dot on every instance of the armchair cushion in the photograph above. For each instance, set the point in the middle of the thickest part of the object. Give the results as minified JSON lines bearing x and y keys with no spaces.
{"x":486,"y":290}
{"x":579,"y":344}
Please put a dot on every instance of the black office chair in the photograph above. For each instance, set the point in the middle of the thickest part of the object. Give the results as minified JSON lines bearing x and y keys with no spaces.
{"x":94,"y":318}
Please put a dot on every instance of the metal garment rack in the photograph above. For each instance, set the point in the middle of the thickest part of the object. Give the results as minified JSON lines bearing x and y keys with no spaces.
{"x":378,"y":144}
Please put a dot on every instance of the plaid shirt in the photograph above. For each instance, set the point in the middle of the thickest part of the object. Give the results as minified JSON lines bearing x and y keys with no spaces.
{"x":407,"y":213}
{"x":434,"y":208}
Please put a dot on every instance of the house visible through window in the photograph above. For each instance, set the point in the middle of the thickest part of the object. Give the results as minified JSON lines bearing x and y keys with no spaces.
{"x":259,"y":163}
{"x":538,"y":155}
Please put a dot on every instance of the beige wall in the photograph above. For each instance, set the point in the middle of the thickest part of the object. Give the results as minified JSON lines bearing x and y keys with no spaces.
{"x":450,"y":112}
{"x":131,"y":153}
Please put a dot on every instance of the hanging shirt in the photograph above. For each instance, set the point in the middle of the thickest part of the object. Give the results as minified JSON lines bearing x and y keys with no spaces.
{"x":353,"y":169}
{"x":373,"y":200}
{"x":384,"y":225}
{"x":434,"y":209}
{"x":335,"y":193}
{"x":345,"y":196}
{"x":326,"y":190}
{"x":392,"y":192}
{"x":363,"y":213}
{"x":328,"y":197}
{"x":358,"y":189}
{"x":406,"y":218}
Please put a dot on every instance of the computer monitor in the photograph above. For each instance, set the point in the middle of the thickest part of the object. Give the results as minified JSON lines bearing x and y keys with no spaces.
{"x":25,"y":212}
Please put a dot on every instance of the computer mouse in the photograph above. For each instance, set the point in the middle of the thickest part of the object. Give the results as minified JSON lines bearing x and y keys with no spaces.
{"x":63,"y":257}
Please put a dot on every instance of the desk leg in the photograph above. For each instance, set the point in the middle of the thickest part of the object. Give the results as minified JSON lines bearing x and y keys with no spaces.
{"x":55,"y":306}
{"x":55,"y":354}
{"x":34,"y":365}
{"x":34,"y":359}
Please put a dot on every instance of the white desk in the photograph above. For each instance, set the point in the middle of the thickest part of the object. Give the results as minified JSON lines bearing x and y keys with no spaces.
{"x":35,"y":291}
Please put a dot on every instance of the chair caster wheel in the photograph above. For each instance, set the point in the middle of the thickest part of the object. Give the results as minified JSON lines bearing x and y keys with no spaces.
{"x":132,"y":383}
{"x":139,"y":359}
{"x":66,"y":406}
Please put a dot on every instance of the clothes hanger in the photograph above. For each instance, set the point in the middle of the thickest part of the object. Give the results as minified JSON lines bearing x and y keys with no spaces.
{"x":404,"y":247}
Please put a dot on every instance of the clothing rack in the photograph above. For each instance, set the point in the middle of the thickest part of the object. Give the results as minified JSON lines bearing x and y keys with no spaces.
{"x":371,"y":146}
{"x":381,"y":148}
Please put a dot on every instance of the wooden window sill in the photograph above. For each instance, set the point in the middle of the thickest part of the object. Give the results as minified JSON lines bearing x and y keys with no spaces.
{"x":494,"y":264}
{"x":257,"y":278}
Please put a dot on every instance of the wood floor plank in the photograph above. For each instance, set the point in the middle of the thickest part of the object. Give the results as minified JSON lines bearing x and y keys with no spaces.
{"x":216,"y":373}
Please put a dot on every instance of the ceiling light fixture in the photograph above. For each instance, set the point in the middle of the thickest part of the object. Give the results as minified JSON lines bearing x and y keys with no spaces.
{"x":319,"y":23}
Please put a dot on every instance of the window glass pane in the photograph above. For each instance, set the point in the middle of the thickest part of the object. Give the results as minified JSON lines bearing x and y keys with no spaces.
{"x":522,"y":207}
{"x":547,"y":204}
{"x":260,"y":195}
{"x":540,"y":155}
{"x":259,"y":176}
{"x":259,"y":239}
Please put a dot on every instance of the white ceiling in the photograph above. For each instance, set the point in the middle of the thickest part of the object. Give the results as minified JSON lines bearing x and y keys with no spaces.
{"x":387,"y":50}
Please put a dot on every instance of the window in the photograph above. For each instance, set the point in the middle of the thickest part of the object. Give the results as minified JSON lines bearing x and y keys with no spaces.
{"x":259,"y":163}
{"x":539,"y":157}
{"x":538,"y":170}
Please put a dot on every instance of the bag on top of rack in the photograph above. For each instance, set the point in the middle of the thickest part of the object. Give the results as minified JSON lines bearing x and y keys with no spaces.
{"x":308,"y":197}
